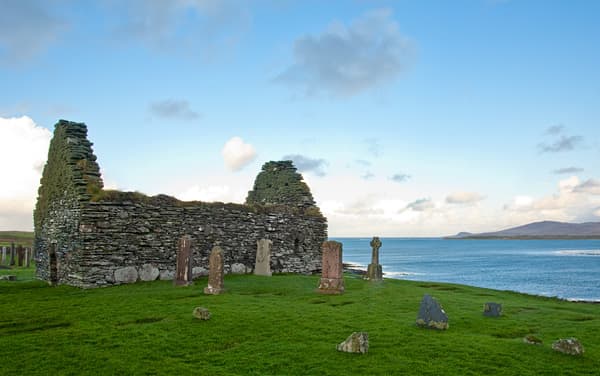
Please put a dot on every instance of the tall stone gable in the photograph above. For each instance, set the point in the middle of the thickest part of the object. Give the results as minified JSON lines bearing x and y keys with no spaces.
{"x":88,"y":237}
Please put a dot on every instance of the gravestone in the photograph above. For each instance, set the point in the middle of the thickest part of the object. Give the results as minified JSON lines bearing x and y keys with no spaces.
{"x":332,"y":279}
{"x":263,"y":257}
{"x":183,"y":272}
{"x":12,"y":254}
{"x":20,"y":255}
{"x":27,"y":256}
{"x":358,"y":342}
{"x":492,"y":309}
{"x":215,"y":272}
{"x":431,"y":315}
{"x":374,"y":271}
{"x":3,"y":255}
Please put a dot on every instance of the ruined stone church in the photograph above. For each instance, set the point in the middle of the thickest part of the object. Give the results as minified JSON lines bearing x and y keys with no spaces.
{"x":87,"y":236}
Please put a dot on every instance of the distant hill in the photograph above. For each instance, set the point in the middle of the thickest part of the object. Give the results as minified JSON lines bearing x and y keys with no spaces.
{"x":24,"y":238}
{"x":540,"y":230}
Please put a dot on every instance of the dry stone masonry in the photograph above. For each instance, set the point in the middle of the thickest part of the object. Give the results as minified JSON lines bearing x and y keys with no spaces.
{"x":89,"y":237}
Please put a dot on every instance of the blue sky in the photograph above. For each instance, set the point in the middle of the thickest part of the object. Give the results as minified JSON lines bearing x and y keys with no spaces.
{"x":406,"y":118}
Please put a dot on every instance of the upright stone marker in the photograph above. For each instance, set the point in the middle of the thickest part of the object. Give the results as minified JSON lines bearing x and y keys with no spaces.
{"x":12,"y":254}
{"x":431,"y":314}
{"x":374,"y":271}
{"x":263,"y":257}
{"x":332,"y":279}
{"x":183,"y":273}
{"x":3,"y":255}
{"x":20,"y":255}
{"x":27,"y":256}
{"x":215,"y":272}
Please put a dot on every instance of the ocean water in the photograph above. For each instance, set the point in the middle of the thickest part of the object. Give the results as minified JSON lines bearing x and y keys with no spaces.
{"x":568,"y":269}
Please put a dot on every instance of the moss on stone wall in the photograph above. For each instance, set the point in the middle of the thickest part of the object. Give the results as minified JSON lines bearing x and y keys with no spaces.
{"x":71,"y":171}
{"x":280,"y":184}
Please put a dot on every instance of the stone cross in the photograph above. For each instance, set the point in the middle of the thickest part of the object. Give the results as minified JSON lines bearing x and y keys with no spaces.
{"x":374,"y":271}
{"x":215,"y":272}
{"x":12,"y":254}
{"x":332,"y":278}
{"x":183,"y":272}
{"x":263,"y":257}
{"x":3,"y":255}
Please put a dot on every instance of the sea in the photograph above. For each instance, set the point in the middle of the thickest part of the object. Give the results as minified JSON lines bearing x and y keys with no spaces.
{"x":567,"y":269}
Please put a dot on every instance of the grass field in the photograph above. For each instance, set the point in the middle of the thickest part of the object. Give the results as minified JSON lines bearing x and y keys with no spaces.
{"x":18,"y":237}
{"x":279,"y":326}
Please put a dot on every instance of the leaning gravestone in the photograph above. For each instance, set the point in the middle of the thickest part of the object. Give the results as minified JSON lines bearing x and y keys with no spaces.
{"x":332,"y":279}
{"x":263,"y":257}
{"x":431,"y":315}
{"x":215,"y":272}
{"x":374,"y":271}
{"x":358,"y":342}
{"x":492,"y":309}
{"x":183,"y":272}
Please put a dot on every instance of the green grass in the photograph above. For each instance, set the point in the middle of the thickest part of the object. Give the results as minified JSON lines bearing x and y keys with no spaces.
{"x":24,"y":238}
{"x":280,"y":326}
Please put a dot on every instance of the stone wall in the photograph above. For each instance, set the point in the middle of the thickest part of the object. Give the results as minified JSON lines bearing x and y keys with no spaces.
{"x":103,"y":237}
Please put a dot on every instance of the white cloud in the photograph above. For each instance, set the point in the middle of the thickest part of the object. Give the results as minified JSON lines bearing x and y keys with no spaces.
{"x":237,"y":153}
{"x":591,"y":186}
{"x":212,"y":193}
{"x":24,"y":153}
{"x":464,"y":198}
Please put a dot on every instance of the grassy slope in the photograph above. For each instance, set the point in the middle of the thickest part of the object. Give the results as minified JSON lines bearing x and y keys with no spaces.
{"x":24,"y":238}
{"x":279,"y":325}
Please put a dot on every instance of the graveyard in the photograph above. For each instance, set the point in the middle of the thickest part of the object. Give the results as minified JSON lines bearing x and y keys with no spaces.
{"x":282,"y":325}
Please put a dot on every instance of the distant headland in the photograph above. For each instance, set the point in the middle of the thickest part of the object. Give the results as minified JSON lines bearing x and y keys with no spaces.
{"x":540,"y":230}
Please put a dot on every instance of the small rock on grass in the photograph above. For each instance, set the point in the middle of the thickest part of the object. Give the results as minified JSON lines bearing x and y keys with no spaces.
{"x":8,"y":277}
{"x":201,"y":313}
{"x":358,"y":343}
{"x":570,"y":346}
{"x":532,"y":340}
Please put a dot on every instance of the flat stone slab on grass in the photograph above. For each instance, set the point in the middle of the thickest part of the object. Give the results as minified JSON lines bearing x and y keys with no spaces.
{"x":357,"y":343}
{"x":201,"y":313}
{"x":8,"y":277}
{"x":431,"y":315}
{"x":570,"y":346}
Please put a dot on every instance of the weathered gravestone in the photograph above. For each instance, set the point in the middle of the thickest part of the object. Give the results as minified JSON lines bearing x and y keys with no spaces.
{"x":27,"y":256}
{"x":374,"y":271}
{"x":431,"y":315}
{"x":20,"y":255}
{"x":3,"y":255}
{"x":570,"y":346}
{"x":492,"y":309}
{"x":358,"y":342}
{"x":12,"y":254}
{"x":263,"y":257}
{"x":215,"y":272}
{"x":183,"y":271}
{"x":332,"y":278}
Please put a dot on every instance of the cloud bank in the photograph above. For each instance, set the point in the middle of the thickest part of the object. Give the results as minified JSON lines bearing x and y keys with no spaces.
{"x":173,"y":109}
{"x":307,"y":164}
{"x":345,"y":60}
{"x":24,"y":153}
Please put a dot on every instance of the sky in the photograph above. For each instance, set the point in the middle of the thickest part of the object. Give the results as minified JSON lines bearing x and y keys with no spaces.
{"x":406,"y":118}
